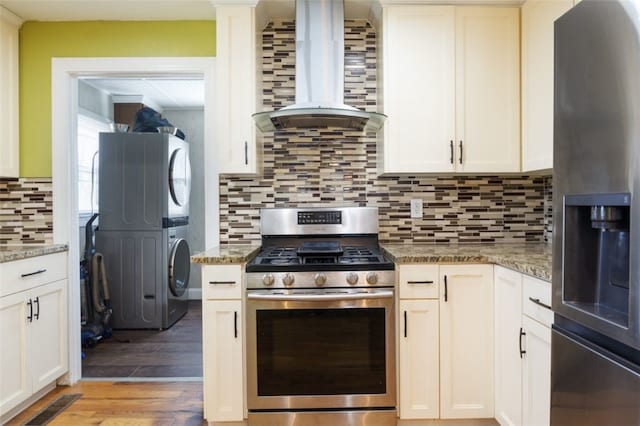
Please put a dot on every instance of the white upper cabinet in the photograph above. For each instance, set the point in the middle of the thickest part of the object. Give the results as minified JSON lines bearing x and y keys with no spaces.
{"x":451,"y":89}
{"x":538,"y":18}
{"x":487,"y":89}
{"x":236,"y":89}
{"x":419,"y":83}
{"x":9,"y":143}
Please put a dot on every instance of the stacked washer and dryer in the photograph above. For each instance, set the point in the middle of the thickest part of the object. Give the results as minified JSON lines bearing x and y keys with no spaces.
{"x":144,"y":188}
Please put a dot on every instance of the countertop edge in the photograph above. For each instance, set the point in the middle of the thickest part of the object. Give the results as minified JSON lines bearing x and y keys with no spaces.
{"x":13,"y":253}
{"x":226,"y":255}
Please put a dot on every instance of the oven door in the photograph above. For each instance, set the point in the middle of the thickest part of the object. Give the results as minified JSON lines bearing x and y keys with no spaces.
{"x":314,"y":350}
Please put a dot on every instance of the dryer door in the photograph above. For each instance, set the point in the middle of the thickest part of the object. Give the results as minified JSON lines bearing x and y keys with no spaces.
{"x":180,"y":177}
{"x":179,"y":267}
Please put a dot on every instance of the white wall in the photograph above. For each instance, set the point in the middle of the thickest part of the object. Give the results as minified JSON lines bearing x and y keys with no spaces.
{"x":191,"y":122}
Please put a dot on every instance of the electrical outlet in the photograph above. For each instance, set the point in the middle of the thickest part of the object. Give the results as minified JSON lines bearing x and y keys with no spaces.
{"x":416,"y":208}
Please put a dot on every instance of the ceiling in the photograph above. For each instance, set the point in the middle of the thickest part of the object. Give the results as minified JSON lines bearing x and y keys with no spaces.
{"x":158,"y":93}
{"x":160,"y":10}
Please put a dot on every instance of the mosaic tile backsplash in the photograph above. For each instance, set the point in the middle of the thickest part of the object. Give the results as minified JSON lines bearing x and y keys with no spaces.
{"x":26,"y":211}
{"x":333,"y":167}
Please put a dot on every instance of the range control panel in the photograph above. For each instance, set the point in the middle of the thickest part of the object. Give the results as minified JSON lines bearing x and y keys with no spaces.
{"x":327,"y":217}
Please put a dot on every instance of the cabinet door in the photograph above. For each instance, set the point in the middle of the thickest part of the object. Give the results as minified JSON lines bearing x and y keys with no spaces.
{"x":487,"y":89}
{"x":536,"y":398}
{"x":538,"y":17}
{"x":508,"y":364}
{"x":466,"y":341}
{"x":14,"y":385}
{"x":236,"y":88}
{"x":9,"y":147}
{"x":419,"y":359}
{"x":223,"y":361}
{"x":419,"y":88}
{"x":48,"y":333}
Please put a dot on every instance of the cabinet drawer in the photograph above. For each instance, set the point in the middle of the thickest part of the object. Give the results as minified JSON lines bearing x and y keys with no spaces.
{"x":222,"y":281}
{"x":419,"y":281}
{"x":535,"y":295}
{"x":24,"y":274}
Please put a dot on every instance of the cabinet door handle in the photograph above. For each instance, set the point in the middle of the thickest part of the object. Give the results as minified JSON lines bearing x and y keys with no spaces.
{"x":419,"y":282}
{"x":538,"y":302}
{"x":30,"y":316}
{"x":39,"y":271}
{"x":445,"y":289}
{"x":235,"y":324}
{"x":460,"y":152}
{"x":222,"y":282}
{"x":246,"y":153}
{"x":37,"y":303}
{"x":522,"y":334}
{"x":405,"y":323}
{"x":451,"y":147}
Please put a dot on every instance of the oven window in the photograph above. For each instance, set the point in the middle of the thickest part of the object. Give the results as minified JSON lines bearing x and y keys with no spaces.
{"x":321,"y":351}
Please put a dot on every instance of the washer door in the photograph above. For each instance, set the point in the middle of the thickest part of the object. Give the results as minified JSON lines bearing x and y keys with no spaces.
{"x":180,"y":177}
{"x":179,"y":267}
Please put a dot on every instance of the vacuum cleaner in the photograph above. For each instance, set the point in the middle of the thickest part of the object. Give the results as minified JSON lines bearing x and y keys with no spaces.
{"x":96,"y":308}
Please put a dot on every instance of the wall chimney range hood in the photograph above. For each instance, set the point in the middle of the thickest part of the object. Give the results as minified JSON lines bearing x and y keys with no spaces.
{"x":319,"y":75}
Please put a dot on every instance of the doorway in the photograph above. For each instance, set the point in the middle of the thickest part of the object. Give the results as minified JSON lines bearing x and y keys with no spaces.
{"x":151,"y":332}
{"x":65,"y":75}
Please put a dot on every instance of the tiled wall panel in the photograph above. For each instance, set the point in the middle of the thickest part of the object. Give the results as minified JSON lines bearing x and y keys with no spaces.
{"x":26,"y":211}
{"x":333,"y":167}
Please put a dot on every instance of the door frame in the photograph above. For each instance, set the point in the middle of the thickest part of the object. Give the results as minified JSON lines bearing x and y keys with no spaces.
{"x":64,"y":110}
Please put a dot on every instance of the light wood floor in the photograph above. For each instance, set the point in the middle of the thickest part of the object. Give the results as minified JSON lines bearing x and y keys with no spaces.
{"x":125,"y":403}
{"x":151,"y":404}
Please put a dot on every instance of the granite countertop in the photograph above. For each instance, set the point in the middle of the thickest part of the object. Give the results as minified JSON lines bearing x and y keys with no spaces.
{"x":529,"y":258}
{"x":16,"y":252}
{"x":225,"y":254}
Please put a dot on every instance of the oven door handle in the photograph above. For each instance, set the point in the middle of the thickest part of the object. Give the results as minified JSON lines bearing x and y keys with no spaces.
{"x":321,"y":297}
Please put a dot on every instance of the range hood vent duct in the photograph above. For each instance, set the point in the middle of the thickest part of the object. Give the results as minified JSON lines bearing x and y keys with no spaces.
{"x":319,"y":75}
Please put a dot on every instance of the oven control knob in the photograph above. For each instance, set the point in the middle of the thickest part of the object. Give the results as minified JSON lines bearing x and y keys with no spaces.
{"x":352,"y":278}
{"x":372,"y":278}
{"x":320,"y":279}
{"x":268,"y":280}
{"x":288,"y":279}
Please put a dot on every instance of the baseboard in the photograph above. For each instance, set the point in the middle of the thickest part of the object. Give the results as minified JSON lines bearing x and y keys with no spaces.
{"x":194,"y":293}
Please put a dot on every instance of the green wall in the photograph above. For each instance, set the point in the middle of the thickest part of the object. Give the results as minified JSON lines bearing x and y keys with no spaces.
{"x":41,"y":41}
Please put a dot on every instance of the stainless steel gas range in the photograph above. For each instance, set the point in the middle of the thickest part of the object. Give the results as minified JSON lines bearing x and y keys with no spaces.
{"x":320,"y":320}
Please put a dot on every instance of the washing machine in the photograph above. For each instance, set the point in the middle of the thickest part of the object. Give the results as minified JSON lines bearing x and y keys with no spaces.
{"x":144,"y":188}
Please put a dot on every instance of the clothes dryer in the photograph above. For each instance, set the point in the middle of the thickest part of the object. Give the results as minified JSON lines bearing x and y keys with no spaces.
{"x":144,"y":181}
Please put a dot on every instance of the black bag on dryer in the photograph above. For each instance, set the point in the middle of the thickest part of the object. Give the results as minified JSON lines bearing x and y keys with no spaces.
{"x":148,"y":120}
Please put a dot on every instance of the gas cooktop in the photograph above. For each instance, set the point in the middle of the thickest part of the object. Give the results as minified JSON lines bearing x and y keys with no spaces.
{"x":347,"y":258}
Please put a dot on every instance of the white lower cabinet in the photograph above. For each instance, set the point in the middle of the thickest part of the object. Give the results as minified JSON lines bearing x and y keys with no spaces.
{"x":33,"y":341}
{"x":223,"y":332}
{"x":446,"y":358}
{"x":536,"y":371}
{"x":508,"y":359}
{"x":523,"y":349}
{"x":224,"y":383}
{"x":466,"y":341}
{"x":419,"y":359}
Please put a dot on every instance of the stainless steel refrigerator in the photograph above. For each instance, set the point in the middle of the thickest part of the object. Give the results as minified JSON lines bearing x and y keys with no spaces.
{"x":595,"y":347}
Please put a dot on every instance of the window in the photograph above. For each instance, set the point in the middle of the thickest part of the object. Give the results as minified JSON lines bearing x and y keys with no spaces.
{"x":89,"y":128}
